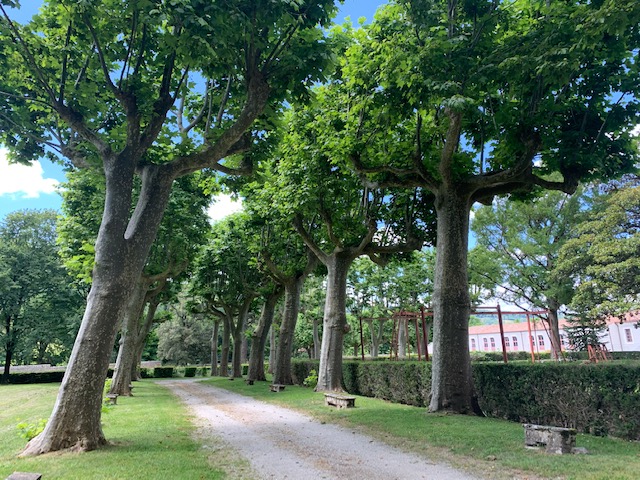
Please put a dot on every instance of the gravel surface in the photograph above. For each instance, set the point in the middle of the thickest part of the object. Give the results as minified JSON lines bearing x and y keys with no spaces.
{"x":282,"y":444}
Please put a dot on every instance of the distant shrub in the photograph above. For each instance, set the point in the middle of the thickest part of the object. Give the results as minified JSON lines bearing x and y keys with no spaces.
{"x":190,"y":371}
{"x":36,"y":377}
{"x":163,"y":372}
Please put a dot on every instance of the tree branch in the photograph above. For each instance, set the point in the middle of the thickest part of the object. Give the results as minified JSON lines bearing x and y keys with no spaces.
{"x":308,"y":240}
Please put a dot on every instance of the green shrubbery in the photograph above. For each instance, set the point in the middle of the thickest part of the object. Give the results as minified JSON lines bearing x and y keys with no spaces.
{"x":163,"y":372}
{"x":602,"y":399}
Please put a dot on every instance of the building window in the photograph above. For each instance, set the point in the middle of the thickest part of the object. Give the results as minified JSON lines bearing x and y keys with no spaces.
{"x":486,"y":344}
{"x":563,"y":340}
{"x":473,"y":344}
{"x":628,"y":335}
{"x":515,"y":344}
{"x":493,"y":344}
{"x":540,"y":341}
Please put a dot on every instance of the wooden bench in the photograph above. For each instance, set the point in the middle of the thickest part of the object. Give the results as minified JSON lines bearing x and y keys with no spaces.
{"x":558,"y":440}
{"x":112,"y":398}
{"x":339,"y":400}
{"x":276,"y":387}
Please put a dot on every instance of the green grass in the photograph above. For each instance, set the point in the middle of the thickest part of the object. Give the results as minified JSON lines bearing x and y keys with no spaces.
{"x":151,"y":436}
{"x":494,"y":447}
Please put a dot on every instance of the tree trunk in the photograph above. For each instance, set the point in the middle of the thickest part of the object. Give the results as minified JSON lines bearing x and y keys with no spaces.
{"x":259,"y":336}
{"x":214,"y":348}
{"x":237,"y":331}
{"x":143,"y":335}
{"x":402,"y":338}
{"x":316,"y":339}
{"x":244,"y":345}
{"x":272,"y":349}
{"x":554,"y":330}
{"x":334,"y":323}
{"x":8,"y":351}
{"x":282,"y":371}
{"x":121,"y":382}
{"x":452,"y":385}
{"x":224,"y":350}
{"x":122,"y":247}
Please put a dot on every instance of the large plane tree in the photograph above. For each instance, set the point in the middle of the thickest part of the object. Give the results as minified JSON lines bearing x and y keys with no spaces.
{"x":502,"y":95}
{"x":150,"y":90}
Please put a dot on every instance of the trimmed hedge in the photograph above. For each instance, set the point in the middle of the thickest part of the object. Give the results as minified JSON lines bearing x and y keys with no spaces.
{"x":163,"y":372}
{"x":36,"y":377}
{"x":602,"y":399}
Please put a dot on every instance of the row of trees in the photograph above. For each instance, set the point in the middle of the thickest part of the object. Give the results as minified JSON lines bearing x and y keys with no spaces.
{"x":433,"y":107}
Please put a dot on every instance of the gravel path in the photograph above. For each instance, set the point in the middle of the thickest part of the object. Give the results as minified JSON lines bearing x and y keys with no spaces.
{"x":283,"y":444}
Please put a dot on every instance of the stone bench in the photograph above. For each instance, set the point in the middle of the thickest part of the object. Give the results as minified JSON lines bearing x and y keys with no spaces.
{"x":24,"y":476}
{"x":112,"y":398}
{"x":276,"y":387}
{"x":339,"y":400}
{"x":558,"y":440}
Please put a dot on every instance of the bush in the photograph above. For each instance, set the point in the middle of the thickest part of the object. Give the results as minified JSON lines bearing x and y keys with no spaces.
{"x":36,"y":377}
{"x":602,"y":399}
{"x":163,"y":372}
{"x":146,"y":373}
{"x":190,"y":371}
{"x":205,"y":371}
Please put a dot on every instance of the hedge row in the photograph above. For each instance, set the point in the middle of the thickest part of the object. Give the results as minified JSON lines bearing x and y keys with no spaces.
{"x":54,"y":376}
{"x":602,"y":399}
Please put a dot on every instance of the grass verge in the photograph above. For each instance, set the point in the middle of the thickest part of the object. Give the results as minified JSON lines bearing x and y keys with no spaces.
{"x":494,"y":448}
{"x":151,"y":436}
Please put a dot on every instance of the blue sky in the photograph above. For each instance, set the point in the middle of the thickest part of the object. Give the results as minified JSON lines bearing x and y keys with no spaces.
{"x":35,"y":187}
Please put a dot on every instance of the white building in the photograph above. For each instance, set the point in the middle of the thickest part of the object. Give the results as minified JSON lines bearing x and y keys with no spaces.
{"x":619,"y":337}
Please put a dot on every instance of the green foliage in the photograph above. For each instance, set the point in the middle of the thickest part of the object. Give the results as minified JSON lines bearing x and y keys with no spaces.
{"x":190,"y":371}
{"x":36,"y":377}
{"x":184,"y":338}
{"x":604,"y":258}
{"x":38,"y":307}
{"x":518,"y":245}
{"x":311,"y":380}
{"x":31,"y":430}
{"x":163,"y":372}
{"x":601,"y":399}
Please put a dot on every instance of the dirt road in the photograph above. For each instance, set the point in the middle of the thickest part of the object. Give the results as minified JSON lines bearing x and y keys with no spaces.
{"x":283,"y":444}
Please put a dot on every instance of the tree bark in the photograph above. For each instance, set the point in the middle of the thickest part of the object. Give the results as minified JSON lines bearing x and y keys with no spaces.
{"x":141,"y":339}
{"x":293,"y":290}
{"x":224,"y":350}
{"x":8,"y":351}
{"x":334,"y":322}
{"x":451,"y":381}
{"x":237,"y":331}
{"x":316,"y":339}
{"x":554,"y":330}
{"x":260,"y":335}
{"x":214,"y":348}
{"x":402,"y":338}
{"x":272,"y":349}
{"x":121,"y":382}
{"x":122,"y":246}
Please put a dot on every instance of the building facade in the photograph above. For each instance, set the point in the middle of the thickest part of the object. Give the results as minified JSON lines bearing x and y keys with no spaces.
{"x":523,"y":337}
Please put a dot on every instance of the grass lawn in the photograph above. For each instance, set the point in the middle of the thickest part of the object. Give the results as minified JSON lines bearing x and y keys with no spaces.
{"x":151,"y":438}
{"x":494,"y":447}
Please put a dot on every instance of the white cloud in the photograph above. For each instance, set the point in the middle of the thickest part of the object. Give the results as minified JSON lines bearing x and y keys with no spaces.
{"x":222,"y":206}
{"x":25,"y":181}
{"x":636,"y":131}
